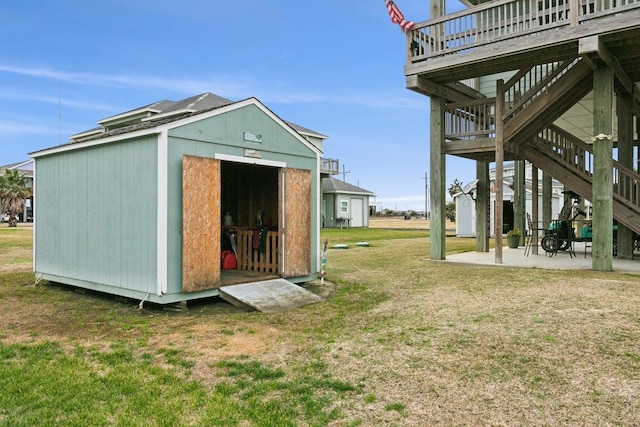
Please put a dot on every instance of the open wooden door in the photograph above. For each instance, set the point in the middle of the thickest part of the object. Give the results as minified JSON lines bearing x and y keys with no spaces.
{"x":201,"y":228}
{"x":297,"y":222}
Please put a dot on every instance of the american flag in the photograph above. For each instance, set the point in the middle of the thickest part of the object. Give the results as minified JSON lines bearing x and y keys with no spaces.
{"x":397,"y":17}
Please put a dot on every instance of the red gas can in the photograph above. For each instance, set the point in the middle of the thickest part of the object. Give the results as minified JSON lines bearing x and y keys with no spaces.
{"x":228,"y":261}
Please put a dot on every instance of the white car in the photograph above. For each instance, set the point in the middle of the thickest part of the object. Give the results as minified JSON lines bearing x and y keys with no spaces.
{"x":5,"y":217}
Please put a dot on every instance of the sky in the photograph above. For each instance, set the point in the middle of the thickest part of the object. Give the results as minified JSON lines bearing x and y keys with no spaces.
{"x":333,"y":66}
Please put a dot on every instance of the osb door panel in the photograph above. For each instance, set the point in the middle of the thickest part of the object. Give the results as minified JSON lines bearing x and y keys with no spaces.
{"x":297,"y":223}
{"x":201,"y":226}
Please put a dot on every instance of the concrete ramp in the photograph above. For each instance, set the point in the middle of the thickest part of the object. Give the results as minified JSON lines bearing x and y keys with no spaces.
{"x":269,"y":296}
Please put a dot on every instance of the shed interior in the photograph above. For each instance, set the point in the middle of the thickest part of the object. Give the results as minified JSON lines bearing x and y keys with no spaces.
{"x":250,"y":221}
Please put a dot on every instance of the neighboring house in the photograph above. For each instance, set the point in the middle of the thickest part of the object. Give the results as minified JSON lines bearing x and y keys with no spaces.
{"x":551,"y":83}
{"x":25,"y":168}
{"x":145,"y":205}
{"x":344,"y":204}
{"x":466,"y":202}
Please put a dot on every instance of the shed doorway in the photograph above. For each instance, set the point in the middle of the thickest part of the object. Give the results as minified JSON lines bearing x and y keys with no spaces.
{"x":243,"y":208}
{"x":251,"y":222}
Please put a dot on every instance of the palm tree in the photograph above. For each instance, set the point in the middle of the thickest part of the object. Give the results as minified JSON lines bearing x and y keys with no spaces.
{"x":13,"y":192}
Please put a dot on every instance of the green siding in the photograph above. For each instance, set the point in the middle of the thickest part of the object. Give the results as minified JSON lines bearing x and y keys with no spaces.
{"x":330,"y":210}
{"x":223,"y":134}
{"x":227,"y":130}
{"x":97,"y":207}
{"x":488,"y":83}
{"x":97,"y":215}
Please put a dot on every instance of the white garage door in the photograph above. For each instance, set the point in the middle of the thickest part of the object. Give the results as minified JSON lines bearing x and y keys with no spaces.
{"x":357,"y":212}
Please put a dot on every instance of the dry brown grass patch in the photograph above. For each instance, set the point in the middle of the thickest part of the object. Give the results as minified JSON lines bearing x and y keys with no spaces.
{"x":426,"y":343}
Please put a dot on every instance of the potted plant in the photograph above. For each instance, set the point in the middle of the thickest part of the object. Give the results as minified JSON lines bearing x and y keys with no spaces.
{"x":513,"y":238}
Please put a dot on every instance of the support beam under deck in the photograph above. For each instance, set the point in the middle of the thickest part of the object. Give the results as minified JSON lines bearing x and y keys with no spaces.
{"x":437,"y":171}
{"x":482,"y":207}
{"x":602,"y":197}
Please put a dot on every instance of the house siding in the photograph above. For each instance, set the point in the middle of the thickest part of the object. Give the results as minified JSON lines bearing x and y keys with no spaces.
{"x":334,"y":209}
{"x":487,"y":84}
{"x":96,"y":211}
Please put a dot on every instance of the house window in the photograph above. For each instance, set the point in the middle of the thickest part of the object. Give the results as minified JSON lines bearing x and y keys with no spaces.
{"x":344,"y":207}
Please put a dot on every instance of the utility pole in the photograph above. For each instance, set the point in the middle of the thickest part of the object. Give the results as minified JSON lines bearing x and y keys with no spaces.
{"x":344,"y":173}
{"x":426,"y":195}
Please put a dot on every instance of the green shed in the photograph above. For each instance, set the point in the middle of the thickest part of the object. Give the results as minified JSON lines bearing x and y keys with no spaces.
{"x":344,"y":204}
{"x":169,"y":202}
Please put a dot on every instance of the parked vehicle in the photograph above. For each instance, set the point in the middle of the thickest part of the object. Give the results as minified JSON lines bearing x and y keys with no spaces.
{"x":5,"y":217}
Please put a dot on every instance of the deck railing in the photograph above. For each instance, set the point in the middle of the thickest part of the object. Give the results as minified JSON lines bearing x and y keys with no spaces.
{"x":329,"y":166}
{"x":476,"y":119}
{"x":470,"y":120}
{"x":502,"y":19}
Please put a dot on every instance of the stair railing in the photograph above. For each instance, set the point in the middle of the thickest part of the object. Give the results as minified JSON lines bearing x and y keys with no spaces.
{"x":626,"y":185}
{"x":578,"y":157}
{"x":573,"y":152}
{"x":527,"y":85}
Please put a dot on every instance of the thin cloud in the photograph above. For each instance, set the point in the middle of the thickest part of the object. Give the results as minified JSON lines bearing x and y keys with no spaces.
{"x":14,"y":128}
{"x":377,"y":100}
{"x":221,"y":86}
{"x":65,"y":102}
{"x":179,"y":85}
{"x":277,"y":58}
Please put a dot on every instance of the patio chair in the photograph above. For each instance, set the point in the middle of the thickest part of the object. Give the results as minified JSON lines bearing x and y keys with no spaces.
{"x":540,"y":230}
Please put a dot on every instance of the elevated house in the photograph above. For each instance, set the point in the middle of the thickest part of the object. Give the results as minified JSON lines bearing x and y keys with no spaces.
{"x":551,"y":82}
{"x":150,"y":203}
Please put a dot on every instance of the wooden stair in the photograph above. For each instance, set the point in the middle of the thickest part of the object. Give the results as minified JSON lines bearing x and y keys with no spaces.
{"x":534,"y":98}
{"x":558,"y":89}
{"x":570,"y":160}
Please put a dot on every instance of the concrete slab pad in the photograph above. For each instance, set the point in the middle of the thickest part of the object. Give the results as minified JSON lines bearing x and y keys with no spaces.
{"x":561,"y":261}
{"x":269,"y":296}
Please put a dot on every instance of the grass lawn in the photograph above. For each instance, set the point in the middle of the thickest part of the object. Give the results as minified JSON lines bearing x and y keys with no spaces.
{"x":402,"y":342}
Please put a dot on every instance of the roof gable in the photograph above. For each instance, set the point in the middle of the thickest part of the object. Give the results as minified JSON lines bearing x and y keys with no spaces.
{"x":255,"y":119}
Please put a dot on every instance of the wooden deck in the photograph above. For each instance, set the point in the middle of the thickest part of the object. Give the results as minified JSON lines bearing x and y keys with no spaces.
{"x":501,"y":74}
{"x":481,"y":40}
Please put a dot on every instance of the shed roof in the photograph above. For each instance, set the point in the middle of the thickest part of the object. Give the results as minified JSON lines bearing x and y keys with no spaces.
{"x":332,"y":185}
{"x":162,"y":112}
{"x":166,"y":112}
